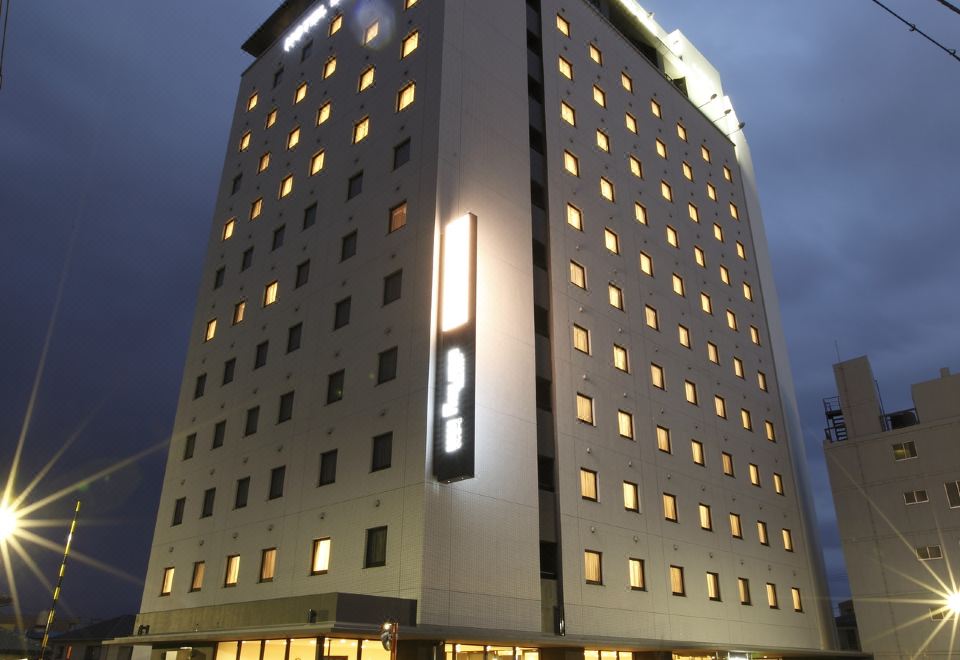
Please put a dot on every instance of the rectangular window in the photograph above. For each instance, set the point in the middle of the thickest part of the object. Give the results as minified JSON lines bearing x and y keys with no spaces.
{"x":581,"y":339}
{"x":166,"y":585}
{"x":727,"y":174}
{"x":720,"y":406}
{"x":663,"y":439}
{"x":677,"y":587}
{"x":755,"y":335}
{"x":376,"y":548}
{"x":655,"y":109}
{"x":620,"y":358}
{"x":189,"y":446}
{"x":253,"y":417}
{"x":392,"y":287}
{"x":574,"y":217}
{"x":335,"y":24}
{"x":711,"y":192}
{"x":563,"y":25}
{"x":196,"y":580}
{"x":271,"y":118}
{"x":584,"y":408}
{"x":599,"y":97}
{"x":588,"y":484}
{"x":285,"y":409}
{"x":736,"y":528}
{"x":200,"y":386}
{"x":593,"y":566}
{"x":209,"y":496}
{"x":294,"y":337}
{"x":713,"y":586}
{"x":401,"y":154}
{"x":409,"y":44}
{"x":382,"y":452}
{"x":778,"y":483}
{"x":260,"y":354}
{"x":762,"y":381}
{"x":615,"y":295}
{"x":651,"y":317}
{"x":772,"y":596}
{"x":681,"y":132}
{"x":657,"y":378}
{"x":631,"y":122}
{"x":638,"y":581}
{"x":178,"y":508}
{"x":928,"y":552}
{"x":797,"y":603}
{"x":603,"y":141}
{"x":293,"y":138}
{"x":366,"y":78}
{"x":398,"y":217}
{"x":762,"y":533}
{"x":595,"y":54}
{"x":706,"y":518}
{"x":578,"y":275}
{"x":731,"y":320}
{"x":606,"y":189}
{"x":690,"y":391}
{"x":328,"y":467}
{"x":705,"y":304}
{"x":672,"y":237}
{"x":640,"y":213}
{"x":687,"y":171}
{"x":387,"y":365}
{"x":268,"y":564}
{"x":361,"y":130}
{"x":270,"y":292}
{"x":239,"y":310}
{"x":743,"y":586}
{"x":953,"y":493}
{"x":277,"y":476}
{"x":232,"y":574}
{"x":745,"y":419}
{"x":341,"y":313}
{"x":571,"y":164}
{"x":335,"y":386}
{"x":631,"y":496}
{"x":683,"y":336}
{"x":696,"y":451}
{"x":330,"y":66}
{"x":611,"y":241}
{"x":636,"y":167}
{"x":787,"y":540}
{"x":320,"y":556}
{"x":727,"y":460}
{"x":252,"y":101}
{"x":705,"y":153}
{"x":566,"y":69}
{"x":211,"y":330}
{"x":406,"y":96}
{"x":625,"y":424}
{"x":302,"y":274}
{"x":718,"y":232}
{"x":242,"y":493}
{"x":229,"y":369}
{"x":666,"y":191}
{"x":219,"y":434}
{"x":770,"y":431}
{"x":661,"y":148}
{"x":754,"y":474}
{"x":670,"y":507}
{"x":904,"y":450}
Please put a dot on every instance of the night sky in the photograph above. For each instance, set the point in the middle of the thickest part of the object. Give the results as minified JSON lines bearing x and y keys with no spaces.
{"x":113,"y":125}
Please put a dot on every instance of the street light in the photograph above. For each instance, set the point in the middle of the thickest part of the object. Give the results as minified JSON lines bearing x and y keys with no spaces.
{"x":8,"y":522}
{"x":953,"y":603}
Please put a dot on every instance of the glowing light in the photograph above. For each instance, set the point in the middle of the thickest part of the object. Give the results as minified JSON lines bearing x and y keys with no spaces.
{"x":455,"y":303}
{"x":953,"y":602}
{"x":307,"y":24}
{"x":8,"y":522}
{"x":450,"y":409}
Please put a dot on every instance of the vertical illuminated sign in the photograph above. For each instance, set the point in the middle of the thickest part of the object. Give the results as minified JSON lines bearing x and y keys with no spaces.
{"x":453,"y":436}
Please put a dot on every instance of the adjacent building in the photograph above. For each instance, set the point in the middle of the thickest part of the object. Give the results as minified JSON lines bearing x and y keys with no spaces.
{"x":487,"y":344}
{"x":896,"y":487}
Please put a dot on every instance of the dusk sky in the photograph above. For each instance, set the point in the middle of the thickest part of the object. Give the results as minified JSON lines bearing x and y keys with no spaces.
{"x":114,"y":118}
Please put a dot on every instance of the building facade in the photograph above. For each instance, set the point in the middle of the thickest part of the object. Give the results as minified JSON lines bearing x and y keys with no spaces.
{"x":896,"y":488}
{"x":487,"y":343}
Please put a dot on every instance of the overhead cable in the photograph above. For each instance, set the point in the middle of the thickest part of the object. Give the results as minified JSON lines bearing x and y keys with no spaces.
{"x":952,"y":52}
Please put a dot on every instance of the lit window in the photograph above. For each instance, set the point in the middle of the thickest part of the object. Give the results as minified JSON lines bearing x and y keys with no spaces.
{"x":718,"y":232}
{"x":320,"y":557}
{"x":699,"y":256}
{"x":672,"y":237}
{"x":323,"y":114}
{"x":245,"y":141}
{"x":746,"y":420}
{"x":568,"y":114}
{"x":264,"y":162}
{"x":270,"y":293}
{"x":681,"y":132}
{"x":571,"y":164}
{"x":797,"y":603}
{"x":713,"y":354}
{"x":599,"y":97}
{"x":398,"y":217}
{"x":778,"y":485}
{"x":677,"y":587}
{"x":727,"y":174}
{"x":625,"y":424}
{"x":329,"y":67}
{"x":592,"y":567}
{"x":271,"y":118}
{"x":656,"y":376}
{"x":366,"y":78}
{"x":606,"y":189}
{"x":754,"y":474}
{"x":738,"y":367}
{"x":252,"y":101}
{"x":655,"y":108}
{"x":300,"y":94}
{"x":762,"y":533}
{"x":239,"y":310}
{"x":286,"y":186}
{"x":772,"y":596}
{"x":720,"y":406}
{"x":704,"y":153}
{"x":690,"y":391}
{"x":611,"y":241}
{"x":361,"y":130}
{"x":196,"y":581}
{"x":620,"y":359}
{"x":256,"y":208}
{"x":646,"y":264}
{"x":755,"y":335}
{"x":683,"y":334}
{"x":741,"y":251}
{"x":769,"y":431}
{"x":669,"y":507}
{"x":615,"y":296}
{"x":651,"y":317}
{"x":663,"y":439}
{"x":678,"y":285}
{"x":596,"y":55}
{"x":637,"y":577}
{"x":747,"y":291}
{"x":166,"y":586}
{"x":636,"y":167}
{"x":578,"y":275}
{"x":335,"y":24}
{"x":371,"y":32}
{"x":787,"y":540}
{"x":661,"y":148}
{"x":928,"y":552}
{"x":406,"y":96}
{"x":953,"y":493}
{"x":743,"y":586}
{"x":640,"y":213}
{"x":232,"y":574}
{"x":626,"y":81}
{"x":565,"y":68}
{"x":687,"y":171}
{"x":731,"y":320}
{"x":316,"y":162}
{"x":409,"y":44}
{"x":696,"y":451}
{"x":409,"y":3}
{"x":563,"y":25}
{"x":584,"y":408}
{"x":711,"y":192}
{"x":727,"y":460}
{"x":713,"y":586}
{"x":705,"y":303}
{"x":588,"y":484}
{"x":631,"y":496}
{"x":581,"y":339}
{"x":211,"y":330}
{"x":631,"y":122}
{"x":693,"y":212}
{"x":228,"y":228}
{"x":736,"y":528}
{"x":734,"y":211}
{"x":268,"y":564}
{"x":666,"y":191}
{"x":603,"y":141}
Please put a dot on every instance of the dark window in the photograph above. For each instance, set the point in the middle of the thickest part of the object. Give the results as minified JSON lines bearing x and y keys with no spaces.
{"x":208,"y":497}
{"x":285,"y":410}
{"x":341,"y":313}
{"x":309,"y":216}
{"x":544,"y":394}
{"x":376,"y":553}
{"x":534,"y":89}
{"x":328,"y":467}
{"x":303,"y":274}
{"x":539,"y":254}
{"x":243,"y":489}
{"x":335,"y":386}
{"x":253,"y":417}
{"x":277,"y":476}
{"x":533,"y":42}
{"x":305,"y":51}
{"x":355,"y":185}
{"x":548,"y":560}
{"x":541,"y":321}
{"x":538,"y":196}
{"x":247,"y":260}
{"x":178,"y":508}
{"x":189,"y":446}
{"x":387,"y":365}
{"x":235,"y":186}
{"x":260,"y":357}
{"x":348,"y":246}
{"x":229,"y":367}
{"x":219,"y":433}
{"x":382,"y":452}
{"x":545,"y":479}
{"x":294,"y":335}
{"x":218,"y":277}
{"x":537,"y":141}
{"x":200,"y":386}
{"x":278,"y":234}
{"x":277,"y":76}
{"x":401,"y":153}
{"x":392,"y":286}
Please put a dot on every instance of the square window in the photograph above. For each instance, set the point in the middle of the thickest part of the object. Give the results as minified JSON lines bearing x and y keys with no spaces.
{"x":285,"y":409}
{"x":355,"y":185}
{"x":646,"y":264}
{"x":341,"y":313}
{"x":286,"y":186}
{"x":256,"y":208}
{"x":371,"y":32}
{"x":328,"y":467}
{"x":574,"y":217}
{"x":672,"y":237}
{"x":263,"y":163}
{"x":320,"y":556}
{"x":631,"y":122}
{"x":593,"y":566}
{"x":678,"y":285}
{"x":406,"y":96}
{"x":656,"y":376}
{"x":277,"y":476}
{"x":606,"y":189}
{"x":329,"y":67}
{"x":387,"y":365}
{"x":741,"y":251}
{"x":581,"y":339}
{"x":681,"y":132}
{"x":382,"y":452}
{"x":625,"y":424}
{"x":705,"y":303}
{"x":335,"y":24}
{"x":663,"y":439}
{"x":626,"y":82}
{"x":323,"y":113}
{"x":401,"y":154}
{"x":409,"y":43}
{"x":711,"y":192}
{"x":245,"y":141}
{"x":252,"y":101}
{"x":392,"y":287}
{"x":376,"y":548}
{"x":242,"y":493}
{"x":571,"y":164}
{"x":303,"y":274}
{"x":361,"y":130}
{"x":306,"y":50}
{"x":611,"y":240}
{"x":734,"y":211}
{"x":736,"y":528}
{"x":704,"y":153}
{"x":699,"y":256}
{"x":651,"y":317}
{"x":687,"y":171}
{"x":693,"y":213}
{"x":631,"y":496}
{"x":637,"y":575}
{"x":661,"y":148}
{"x":655,"y":109}
{"x":252,"y":421}
{"x":228,"y":229}
{"x":300,"y":94}
{"x":211,"y":330}
{"x":584,"y":408}
{"x":677,"y":587}
{"x":904,"y":450}
{"x":277,"y":76}
{"x":727,"y":174}
{"x":603,"y":141}
{"x":563,"y":25}
{"x":235,"y":184}
{"x":747,"y":291}
{"x":595,"y":54}
{"x":335,"y":382}
{"x":398,"y":217}
{"x":348,"y":246}
{"x":566,"y":69}
{"x":636,"y":167}
{"x":755,"y":335}
{"x":271,"y":118}
{"x":666,"y":191}
{"x":317,"y":162}
{"x":588,"y":484}
{"x":568,"y":114}
{"x":599,"y":97}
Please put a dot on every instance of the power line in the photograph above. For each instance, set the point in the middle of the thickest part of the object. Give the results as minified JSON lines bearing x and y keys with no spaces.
{"x":950,"y":6}
{"x":952,"y":52}
{"x":3,"y":36}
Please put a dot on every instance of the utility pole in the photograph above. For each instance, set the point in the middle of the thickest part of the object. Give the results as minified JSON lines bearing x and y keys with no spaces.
{"x":389,"y":634}
{"x":56,"y":591}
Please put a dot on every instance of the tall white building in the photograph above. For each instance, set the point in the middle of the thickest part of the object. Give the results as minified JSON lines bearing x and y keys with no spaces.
{"x":896,"y":487}
{"x":486,"y":343}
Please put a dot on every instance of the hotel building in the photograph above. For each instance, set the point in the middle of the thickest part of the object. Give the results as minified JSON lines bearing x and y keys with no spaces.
{"x":896,"y":488}
{"x":486,"y":344}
